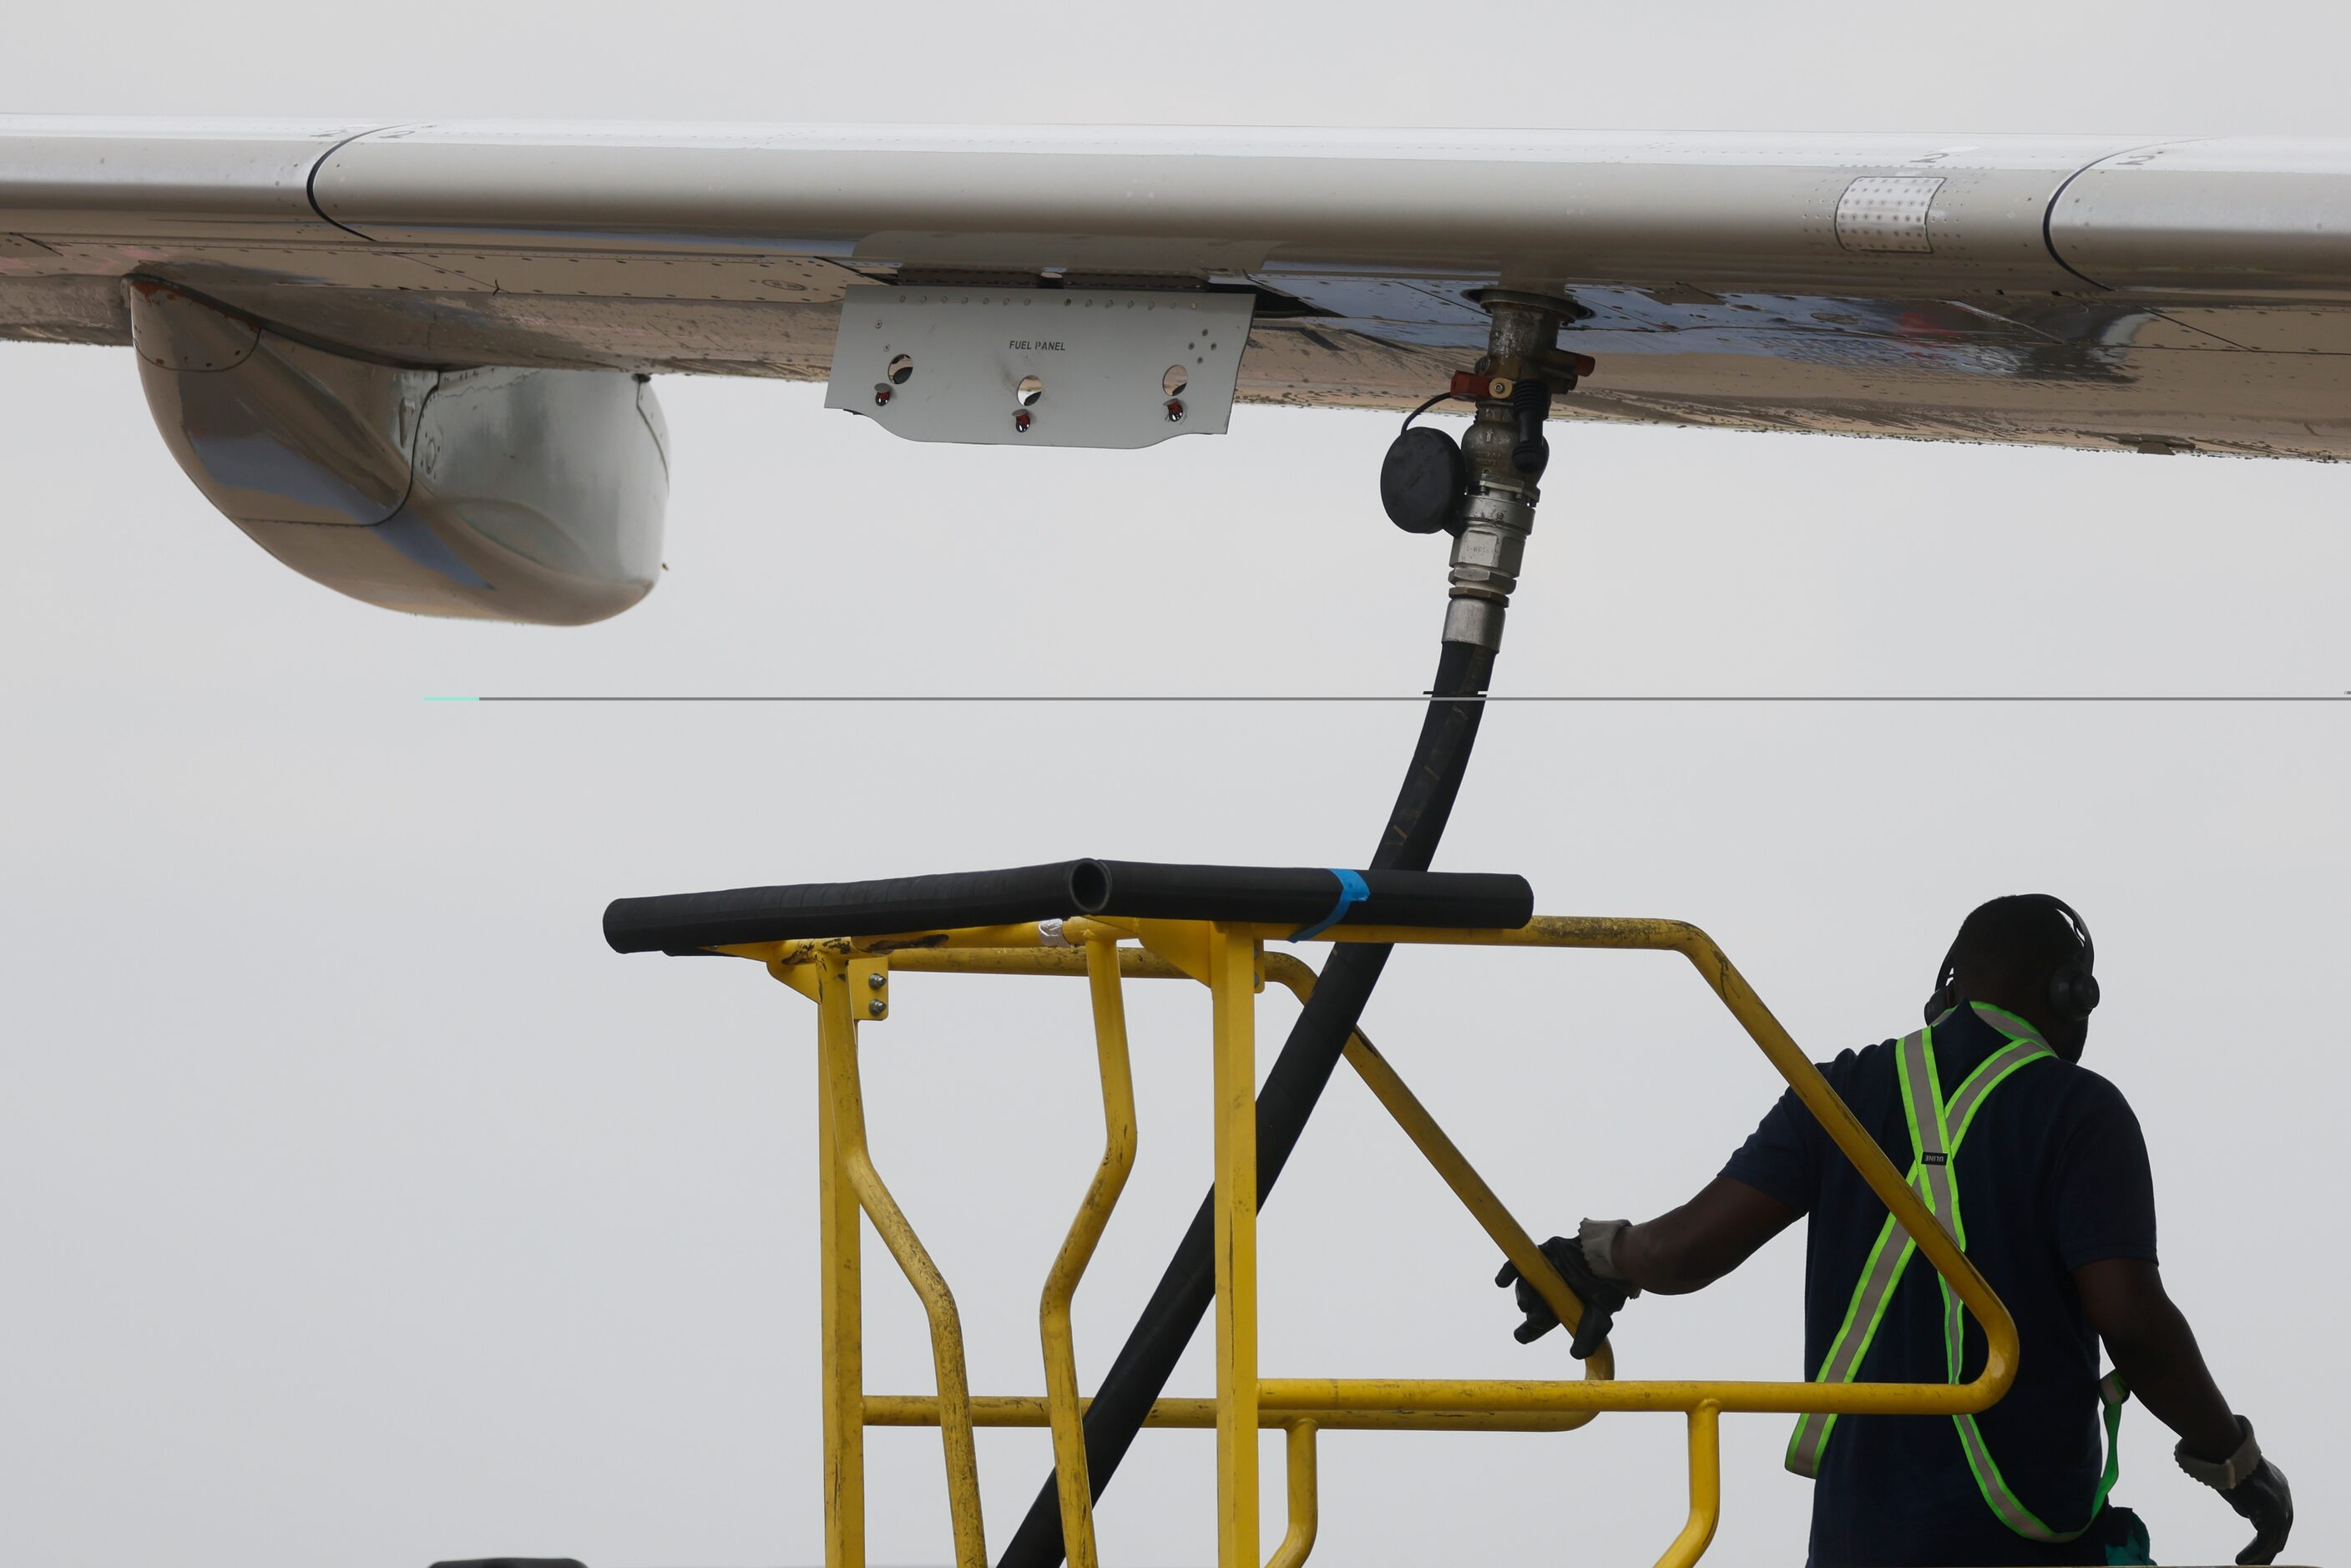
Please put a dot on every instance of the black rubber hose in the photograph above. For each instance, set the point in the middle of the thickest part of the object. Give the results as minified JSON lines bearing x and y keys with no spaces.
{"x":1317,"y":1040}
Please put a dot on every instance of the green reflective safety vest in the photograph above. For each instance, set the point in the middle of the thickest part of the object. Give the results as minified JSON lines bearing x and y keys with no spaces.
{"x":1939,"y":1126}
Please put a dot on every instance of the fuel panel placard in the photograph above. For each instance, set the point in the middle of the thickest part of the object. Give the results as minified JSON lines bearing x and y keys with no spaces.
{"x":1044,"y":367}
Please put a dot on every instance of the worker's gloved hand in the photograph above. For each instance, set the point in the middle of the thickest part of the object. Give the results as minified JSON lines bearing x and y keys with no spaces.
{"x":2255,"y":1487}
{"x":2263,"y":1500}
{"x":1602,"y":1297}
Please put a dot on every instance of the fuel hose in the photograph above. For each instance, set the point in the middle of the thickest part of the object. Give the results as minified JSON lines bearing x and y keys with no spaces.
{"x":1447,"y":731}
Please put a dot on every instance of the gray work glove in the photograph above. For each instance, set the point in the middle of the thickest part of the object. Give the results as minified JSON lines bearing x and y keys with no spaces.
{"x":1586,"y":1265}
{"x":2255,"y":1487}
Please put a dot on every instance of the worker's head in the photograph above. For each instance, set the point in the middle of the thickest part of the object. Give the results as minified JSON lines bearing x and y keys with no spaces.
{"x":2028,"y":953}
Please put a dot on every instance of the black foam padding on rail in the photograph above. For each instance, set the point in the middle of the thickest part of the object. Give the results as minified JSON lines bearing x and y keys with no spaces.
{"x":1296,"y":897}
{"x":1300,"y":896}
{"x":880,"y":908}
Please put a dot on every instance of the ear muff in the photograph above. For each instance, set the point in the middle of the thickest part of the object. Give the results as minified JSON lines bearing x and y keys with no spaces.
{"x":2073,"y":989}
{"x":2072,"y":993}
{"x":1947,"y":994}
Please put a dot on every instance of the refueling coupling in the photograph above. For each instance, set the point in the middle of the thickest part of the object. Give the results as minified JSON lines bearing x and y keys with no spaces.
{"x":1484,"y":492}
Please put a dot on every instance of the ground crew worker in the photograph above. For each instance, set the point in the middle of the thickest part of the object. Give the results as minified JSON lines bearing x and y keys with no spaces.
{"x":2038,"y":1168}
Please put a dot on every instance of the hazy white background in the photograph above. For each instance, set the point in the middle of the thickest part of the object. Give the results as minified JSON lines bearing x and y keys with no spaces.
{"x":358,"y":1206}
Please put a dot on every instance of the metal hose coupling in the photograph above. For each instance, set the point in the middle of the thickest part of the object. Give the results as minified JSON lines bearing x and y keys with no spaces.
{"x":1505,"y":454}
{"x":1486,"y":555}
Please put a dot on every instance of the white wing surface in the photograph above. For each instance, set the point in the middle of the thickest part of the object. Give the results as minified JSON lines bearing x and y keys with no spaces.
{"x":2152,"y":294}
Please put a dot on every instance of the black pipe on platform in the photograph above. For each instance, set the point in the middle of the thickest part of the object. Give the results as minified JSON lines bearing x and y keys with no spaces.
{"x":1317,"y":1040}
{"x":911,"y":907}
{"x":681,"y":922}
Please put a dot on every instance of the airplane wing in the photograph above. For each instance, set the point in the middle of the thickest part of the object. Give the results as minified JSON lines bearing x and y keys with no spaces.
{"x":334,"y":320}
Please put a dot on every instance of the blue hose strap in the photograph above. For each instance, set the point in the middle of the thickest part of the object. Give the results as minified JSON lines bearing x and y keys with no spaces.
{"x":1352,"y":891}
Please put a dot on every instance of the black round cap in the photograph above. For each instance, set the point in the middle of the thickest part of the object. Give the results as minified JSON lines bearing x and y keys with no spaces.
{"x":1422,"y":480}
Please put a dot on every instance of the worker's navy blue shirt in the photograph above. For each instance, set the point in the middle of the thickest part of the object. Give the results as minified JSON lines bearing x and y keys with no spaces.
{"x":2053,"y":1175}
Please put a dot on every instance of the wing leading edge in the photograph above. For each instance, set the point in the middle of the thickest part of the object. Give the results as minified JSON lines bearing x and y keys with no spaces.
{"x":2162,"y":294}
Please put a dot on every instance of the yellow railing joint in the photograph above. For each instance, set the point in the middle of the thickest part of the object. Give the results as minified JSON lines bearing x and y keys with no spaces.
{"x":1305,"y":1507}
{"x":1705,"y":1487}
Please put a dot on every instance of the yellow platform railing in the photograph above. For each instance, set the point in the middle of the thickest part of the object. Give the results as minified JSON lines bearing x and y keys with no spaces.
{"x":848,"y":978}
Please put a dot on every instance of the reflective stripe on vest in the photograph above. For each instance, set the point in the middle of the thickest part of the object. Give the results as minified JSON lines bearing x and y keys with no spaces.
{"x":1938,"y":1128}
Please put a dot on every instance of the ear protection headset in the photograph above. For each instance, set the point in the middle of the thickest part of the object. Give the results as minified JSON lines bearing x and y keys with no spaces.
{"x":2073,"y":989}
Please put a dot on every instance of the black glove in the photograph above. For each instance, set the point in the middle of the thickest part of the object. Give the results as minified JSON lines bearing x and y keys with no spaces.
{"x":2263,"y":1500}
{"x":2248,"y":1483}
{"x":1600,"y":1299}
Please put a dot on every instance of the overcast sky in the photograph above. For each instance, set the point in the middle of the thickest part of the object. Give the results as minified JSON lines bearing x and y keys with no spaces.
{"x":359,"y":1206}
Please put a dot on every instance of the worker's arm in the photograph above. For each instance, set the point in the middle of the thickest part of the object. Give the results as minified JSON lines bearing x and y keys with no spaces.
{"x":1689,"y":1247}
{"x":1608,"y":1261}
{"x":2156,"y":1352}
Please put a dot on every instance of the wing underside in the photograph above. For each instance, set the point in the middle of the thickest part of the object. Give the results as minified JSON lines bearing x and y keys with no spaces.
{"x":2138,"y":293}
